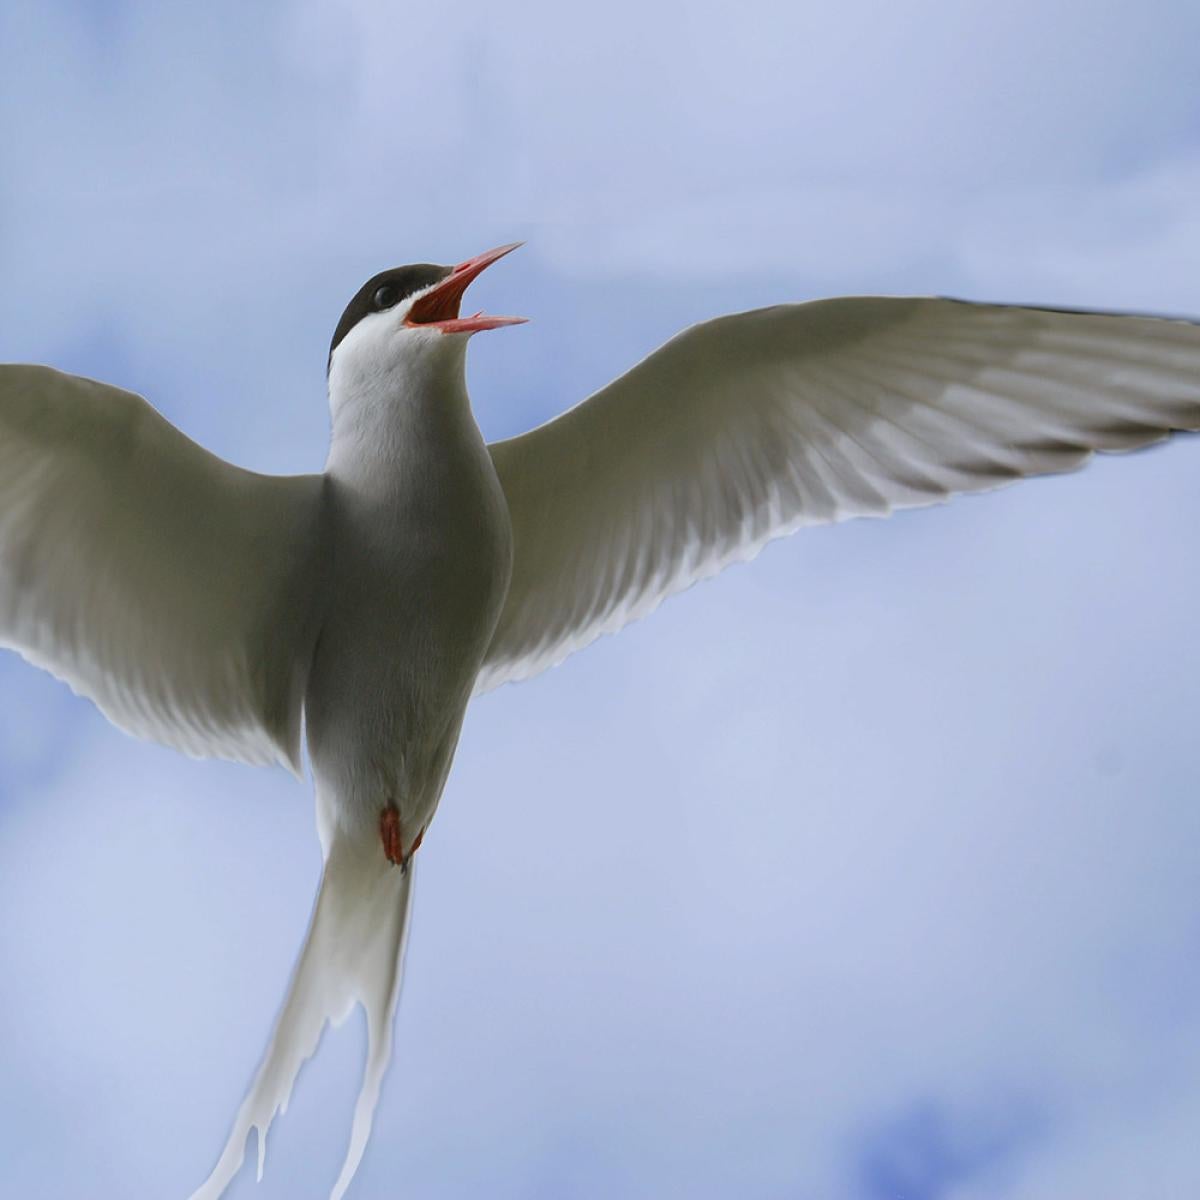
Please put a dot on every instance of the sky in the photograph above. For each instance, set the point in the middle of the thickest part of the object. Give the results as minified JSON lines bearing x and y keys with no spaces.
{"x":864,"y":872}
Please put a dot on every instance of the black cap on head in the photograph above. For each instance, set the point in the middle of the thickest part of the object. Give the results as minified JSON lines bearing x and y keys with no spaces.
{"x":384,"y":291}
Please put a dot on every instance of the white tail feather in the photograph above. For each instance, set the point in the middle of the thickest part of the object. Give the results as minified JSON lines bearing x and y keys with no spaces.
{"x":354,"y":951}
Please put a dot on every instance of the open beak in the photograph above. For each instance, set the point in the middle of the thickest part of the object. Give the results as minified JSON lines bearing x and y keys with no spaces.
{"x":438,"y":307}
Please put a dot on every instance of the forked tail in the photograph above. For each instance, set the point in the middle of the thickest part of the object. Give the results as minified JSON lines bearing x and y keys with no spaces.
{"x":353,"y":951}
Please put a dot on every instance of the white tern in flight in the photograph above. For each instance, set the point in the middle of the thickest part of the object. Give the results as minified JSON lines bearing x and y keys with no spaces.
{"x":211,"y":608}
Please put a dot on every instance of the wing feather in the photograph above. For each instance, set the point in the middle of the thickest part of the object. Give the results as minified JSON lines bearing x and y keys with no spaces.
{"x":175,"y":590}
{"x":750,"y":426}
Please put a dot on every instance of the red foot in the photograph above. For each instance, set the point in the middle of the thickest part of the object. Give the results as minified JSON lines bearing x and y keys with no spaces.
{"x":389,"y":831}
{"x":392,"y":837}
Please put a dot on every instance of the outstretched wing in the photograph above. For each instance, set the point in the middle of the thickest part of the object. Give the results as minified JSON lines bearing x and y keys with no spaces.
{"x":747,"y":427}
{"x":173,"y":589}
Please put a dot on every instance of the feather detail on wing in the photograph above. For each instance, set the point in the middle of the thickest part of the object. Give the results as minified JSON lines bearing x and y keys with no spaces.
{"x":173,"y":589}
{"x":744,"y":428}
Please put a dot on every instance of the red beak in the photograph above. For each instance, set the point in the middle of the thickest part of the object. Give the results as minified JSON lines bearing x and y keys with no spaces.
{"x":438,"y":307}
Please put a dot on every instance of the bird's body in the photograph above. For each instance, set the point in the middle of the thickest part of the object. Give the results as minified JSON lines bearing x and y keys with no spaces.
{"x":420,"y":550}
{"x":220,"y":611}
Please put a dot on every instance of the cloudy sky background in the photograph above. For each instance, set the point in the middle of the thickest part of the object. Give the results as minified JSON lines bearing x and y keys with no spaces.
{"x":868,"y":872}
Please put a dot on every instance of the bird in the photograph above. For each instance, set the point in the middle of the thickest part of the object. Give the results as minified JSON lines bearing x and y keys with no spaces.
{"x":232,"y":614}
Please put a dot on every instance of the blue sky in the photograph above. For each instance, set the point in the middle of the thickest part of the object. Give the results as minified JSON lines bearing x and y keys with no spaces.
{"x":866,"y":872}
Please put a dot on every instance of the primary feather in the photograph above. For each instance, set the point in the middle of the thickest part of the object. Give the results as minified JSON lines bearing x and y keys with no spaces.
{"x":747,"y":427}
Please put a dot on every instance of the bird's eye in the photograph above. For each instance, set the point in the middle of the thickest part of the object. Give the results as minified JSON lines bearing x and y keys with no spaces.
{"x":387,"y":296}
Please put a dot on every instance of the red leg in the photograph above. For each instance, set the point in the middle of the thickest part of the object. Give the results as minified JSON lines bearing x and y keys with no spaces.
{"x":390,"y":834}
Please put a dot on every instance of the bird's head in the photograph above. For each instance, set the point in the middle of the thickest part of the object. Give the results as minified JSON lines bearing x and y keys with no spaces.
{"x":404,"y":324}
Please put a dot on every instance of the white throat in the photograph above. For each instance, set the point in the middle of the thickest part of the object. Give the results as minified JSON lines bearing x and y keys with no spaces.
{"x":394,"y":402}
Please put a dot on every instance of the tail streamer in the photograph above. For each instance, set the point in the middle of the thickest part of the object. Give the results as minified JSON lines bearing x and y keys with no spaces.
{"x":353,"y":953}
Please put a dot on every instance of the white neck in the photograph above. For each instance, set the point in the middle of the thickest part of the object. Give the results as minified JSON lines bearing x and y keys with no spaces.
{"x":399,"y":412}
